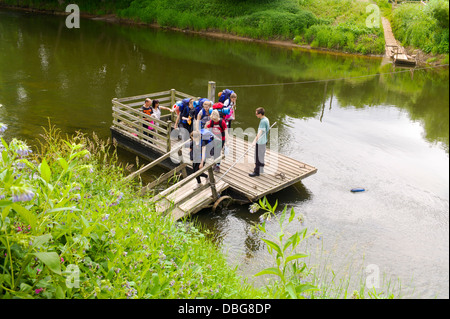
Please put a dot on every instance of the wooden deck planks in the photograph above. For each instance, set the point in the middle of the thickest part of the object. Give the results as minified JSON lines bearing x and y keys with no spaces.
{"x":196,"y":202}
{"x":279,"y":170}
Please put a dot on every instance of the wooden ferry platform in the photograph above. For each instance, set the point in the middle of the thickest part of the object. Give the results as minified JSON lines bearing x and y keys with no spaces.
{"x":232,"y":183}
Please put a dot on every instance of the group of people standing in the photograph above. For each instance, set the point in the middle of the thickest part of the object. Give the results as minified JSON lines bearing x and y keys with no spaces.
{"x":207,"y":126}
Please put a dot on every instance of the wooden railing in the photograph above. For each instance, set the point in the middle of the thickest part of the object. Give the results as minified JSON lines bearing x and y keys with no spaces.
{"x":128,"y":117}
{"x":211,"y":183}
{"x":155,"y":162}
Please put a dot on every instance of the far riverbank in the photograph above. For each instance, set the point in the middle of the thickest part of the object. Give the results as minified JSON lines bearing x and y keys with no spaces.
{"x":422,"y":57}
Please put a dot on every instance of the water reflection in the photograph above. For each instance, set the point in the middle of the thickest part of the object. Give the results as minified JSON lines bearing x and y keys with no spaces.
{"x":242,"y":223}
{"x":116,"y":61}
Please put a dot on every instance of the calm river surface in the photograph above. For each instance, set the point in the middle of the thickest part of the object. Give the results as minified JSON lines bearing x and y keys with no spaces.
{"x":386,"y":133}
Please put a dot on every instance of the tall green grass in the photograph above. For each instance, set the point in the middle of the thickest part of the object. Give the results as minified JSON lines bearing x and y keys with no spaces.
{"x":87,"y":6}
{"x":343,"y":27}
{"x":71,"y":228}
{"x":424,"y":27}
{"x":281,"y":19}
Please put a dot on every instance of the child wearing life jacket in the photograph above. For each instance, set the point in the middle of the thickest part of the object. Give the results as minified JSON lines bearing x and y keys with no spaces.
{"x":183,"y":119}
{"x":218,"y":127}
{"x":230,"y":103}
{"x":147,"y":109}
{"x":203,"y":116}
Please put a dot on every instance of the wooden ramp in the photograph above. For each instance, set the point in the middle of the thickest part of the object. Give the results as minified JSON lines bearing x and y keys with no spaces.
{"x":186,"y":201}
{"x":184,"y":198}
{"x":181,"y":200}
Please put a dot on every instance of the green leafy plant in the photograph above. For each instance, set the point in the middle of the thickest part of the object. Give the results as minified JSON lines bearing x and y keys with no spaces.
{"x":422,"y":27}
{"x":291,"y":272}
{"x":71,"y":227}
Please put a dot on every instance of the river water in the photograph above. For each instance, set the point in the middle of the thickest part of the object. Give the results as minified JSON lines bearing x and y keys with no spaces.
{"x":387,"y":133}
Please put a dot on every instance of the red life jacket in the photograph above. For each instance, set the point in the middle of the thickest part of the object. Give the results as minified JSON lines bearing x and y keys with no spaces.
{"x":220,"y":126}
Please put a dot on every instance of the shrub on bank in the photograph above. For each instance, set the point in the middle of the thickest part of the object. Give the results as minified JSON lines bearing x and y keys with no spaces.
{"x":424,"y":27}
{"x":343,"y":26}
{"x":258,"y":19}
{"x":344,"y":38}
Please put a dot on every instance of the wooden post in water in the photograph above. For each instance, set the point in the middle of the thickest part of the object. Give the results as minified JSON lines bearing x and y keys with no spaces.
{"x":114,"y":100}
{"x":211,"y":91}
{"x":324,"y":100}
{"x":212,"y":183}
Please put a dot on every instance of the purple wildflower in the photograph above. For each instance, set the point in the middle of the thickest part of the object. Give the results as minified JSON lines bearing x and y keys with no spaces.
{"x":20,"y":165}
{"x":254,"y":208}
{"x":23,"y":151}
{"x":21,"y":194}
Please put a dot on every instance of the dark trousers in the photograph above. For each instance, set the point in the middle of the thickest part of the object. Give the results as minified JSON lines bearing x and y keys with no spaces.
{"x":229,"y":125}
{"x":147,"y":132}
{"x":196,"y":167}
{"x":185,"y":130}
{"x":260,"y":155}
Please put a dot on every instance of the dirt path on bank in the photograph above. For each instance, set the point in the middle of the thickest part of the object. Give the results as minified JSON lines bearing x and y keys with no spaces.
{"x":390,"y":40}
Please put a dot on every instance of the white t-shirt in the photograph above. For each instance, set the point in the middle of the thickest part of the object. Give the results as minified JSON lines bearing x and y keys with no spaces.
{"x":157,"y":113}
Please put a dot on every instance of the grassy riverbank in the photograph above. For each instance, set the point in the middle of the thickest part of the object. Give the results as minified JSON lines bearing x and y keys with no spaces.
{"x":341,"y":28}
{"x":423,"y":27}
{"x":71,"y":228}
{"x":351,"y":26}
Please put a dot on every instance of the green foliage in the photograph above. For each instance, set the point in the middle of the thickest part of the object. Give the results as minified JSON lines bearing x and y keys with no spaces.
{"x":259,"y":19}
{"x":344,"y":37}
{"x":290,"y":270}
{"x":88,"y":6}
{"x":331,"y":24}
{"x":272,"y":23}
{"x":439,"y":11}
{"x":343,"y":27}
{"x":71,"y":227}
{"x":423,"y":27}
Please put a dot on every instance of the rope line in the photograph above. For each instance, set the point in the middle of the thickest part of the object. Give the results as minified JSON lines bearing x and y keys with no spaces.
{"x":328,"y":80}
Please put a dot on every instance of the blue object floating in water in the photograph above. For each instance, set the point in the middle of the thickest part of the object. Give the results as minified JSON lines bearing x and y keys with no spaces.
{"x":358,"y":189}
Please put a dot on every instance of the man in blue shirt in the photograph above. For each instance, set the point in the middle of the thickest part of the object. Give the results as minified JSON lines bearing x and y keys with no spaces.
{"x":260,"y":141}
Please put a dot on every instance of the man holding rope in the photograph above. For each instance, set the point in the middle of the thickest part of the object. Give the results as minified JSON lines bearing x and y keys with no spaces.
{"x":260,"y":142}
